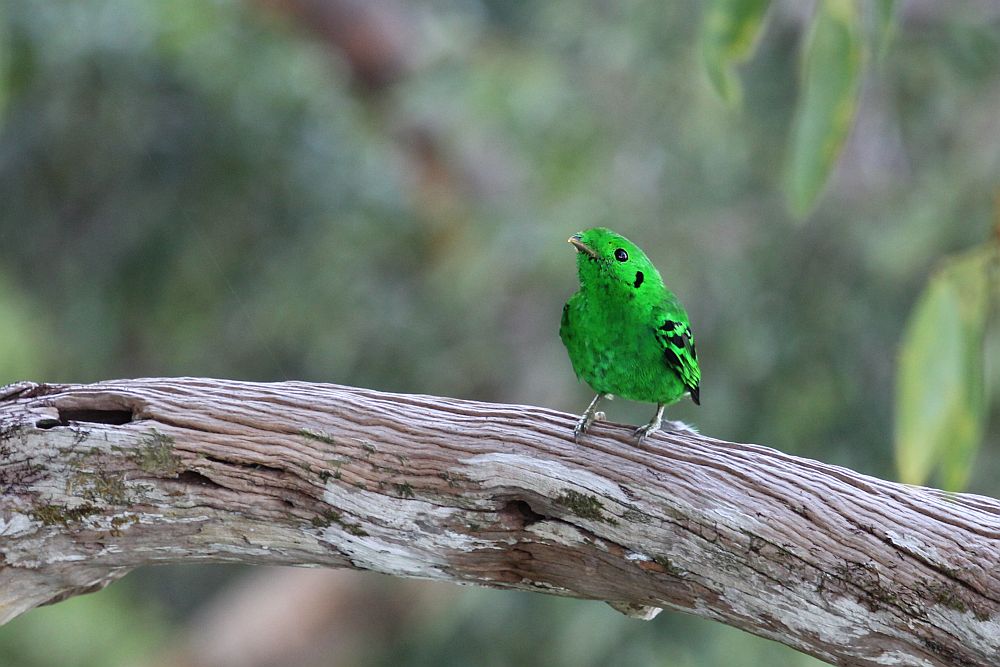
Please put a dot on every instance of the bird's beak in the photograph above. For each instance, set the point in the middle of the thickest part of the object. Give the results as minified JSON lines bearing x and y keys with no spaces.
{"x":577,"y":241}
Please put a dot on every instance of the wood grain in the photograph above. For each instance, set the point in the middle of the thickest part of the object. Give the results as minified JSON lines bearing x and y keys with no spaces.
{"x":99,"y":479}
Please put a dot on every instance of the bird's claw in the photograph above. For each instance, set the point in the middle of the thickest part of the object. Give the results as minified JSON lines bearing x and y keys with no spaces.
{"x":653,"y":426}
{"x":646,"y":430}
{"x":643,"y":432}
{"x":585,"y":421}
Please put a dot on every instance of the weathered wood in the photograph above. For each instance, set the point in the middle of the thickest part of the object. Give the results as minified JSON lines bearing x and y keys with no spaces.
{"x":99,"y":479}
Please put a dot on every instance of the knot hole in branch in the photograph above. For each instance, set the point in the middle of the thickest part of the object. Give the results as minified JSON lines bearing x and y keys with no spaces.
{"x":92,"y":416}
{"x":518,"y":515}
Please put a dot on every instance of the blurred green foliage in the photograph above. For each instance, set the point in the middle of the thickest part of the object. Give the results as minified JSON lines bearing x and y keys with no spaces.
{"x":832,"y":54}
{"x":557,"y":632}
{"x":195,"y":188}
{"x":831,"y":81}
{"x":730,"y":29}
{"x":111,"y":628}
{"x":940,"y":393}
{"x":882,"y":18}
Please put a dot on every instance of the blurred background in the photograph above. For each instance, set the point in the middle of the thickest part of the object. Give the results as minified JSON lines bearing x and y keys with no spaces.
{"x":379,"y":194}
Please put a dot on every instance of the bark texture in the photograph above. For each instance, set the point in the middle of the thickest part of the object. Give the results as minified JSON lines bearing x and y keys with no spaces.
{"x":102,"y":478}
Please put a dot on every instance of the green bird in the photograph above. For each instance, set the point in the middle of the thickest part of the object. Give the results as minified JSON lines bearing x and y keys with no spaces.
{"x":627,"y":335}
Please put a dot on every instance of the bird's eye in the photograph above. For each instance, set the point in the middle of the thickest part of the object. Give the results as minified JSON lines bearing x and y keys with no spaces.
{"x":621,"y":255}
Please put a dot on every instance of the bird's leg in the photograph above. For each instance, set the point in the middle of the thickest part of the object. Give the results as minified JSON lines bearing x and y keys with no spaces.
{"x":653,"y":426}
{"x":588,"y":417}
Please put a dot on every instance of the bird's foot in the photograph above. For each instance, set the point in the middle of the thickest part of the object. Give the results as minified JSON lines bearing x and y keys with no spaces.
{"x":581,"y":427}
{"x":672,"y":426}
{"x":586,"y":420}
{"x":644,"y":431}
{"x":589,"y":417}
{"x":653,"y":426}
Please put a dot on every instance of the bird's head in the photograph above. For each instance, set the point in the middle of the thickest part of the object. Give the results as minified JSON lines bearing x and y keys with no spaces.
{"x":606,"y":258}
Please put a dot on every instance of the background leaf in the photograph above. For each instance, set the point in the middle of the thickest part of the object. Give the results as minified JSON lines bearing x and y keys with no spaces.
{"x":829,"y":99}
{"x":940,"y":397}
{"x":4,"y":63}
{"x":883,"y":14}
{"x":730,"y":30}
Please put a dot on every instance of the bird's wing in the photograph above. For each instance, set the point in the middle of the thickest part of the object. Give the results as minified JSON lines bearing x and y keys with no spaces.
{"x":674,"y":334}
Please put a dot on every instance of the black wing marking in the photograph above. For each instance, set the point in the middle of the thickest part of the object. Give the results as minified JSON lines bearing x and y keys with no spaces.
{"x":680,"y":353}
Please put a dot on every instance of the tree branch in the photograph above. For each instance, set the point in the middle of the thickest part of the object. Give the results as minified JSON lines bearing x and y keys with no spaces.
{"x":99,"y":479}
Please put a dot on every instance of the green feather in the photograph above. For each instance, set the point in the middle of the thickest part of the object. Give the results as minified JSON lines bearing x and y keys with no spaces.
{"x":626,"y":333}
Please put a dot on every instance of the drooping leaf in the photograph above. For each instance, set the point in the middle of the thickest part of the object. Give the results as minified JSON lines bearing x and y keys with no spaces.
{"x":829,"y":98}
{"x":4,"y":63}
{"x":971,"y":277}
{"x":729,"y":34}
{"x":883,"y":15}
{"x":940,"y":396}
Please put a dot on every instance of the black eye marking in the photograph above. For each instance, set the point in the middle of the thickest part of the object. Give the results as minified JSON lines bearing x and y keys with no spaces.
{"x":621,"y":255}
{"x":639,"y":278}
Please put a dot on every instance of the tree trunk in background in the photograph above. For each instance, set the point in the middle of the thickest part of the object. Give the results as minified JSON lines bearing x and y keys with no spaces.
{"x":99,"y":479}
